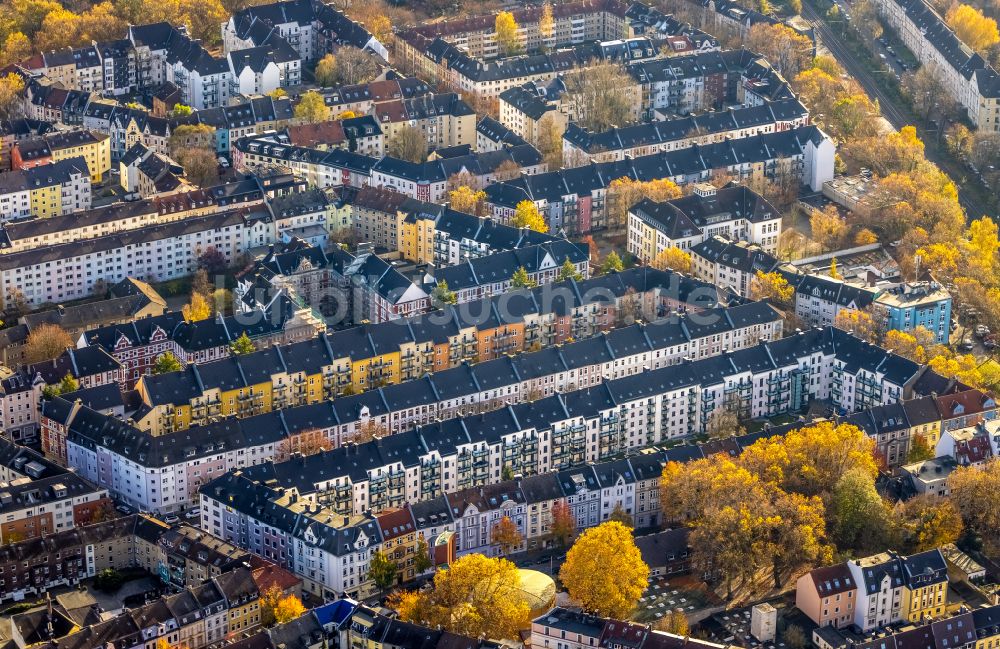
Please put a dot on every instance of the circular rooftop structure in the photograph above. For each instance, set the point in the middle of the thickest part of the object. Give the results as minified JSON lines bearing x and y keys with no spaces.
{"x":538,"y":590}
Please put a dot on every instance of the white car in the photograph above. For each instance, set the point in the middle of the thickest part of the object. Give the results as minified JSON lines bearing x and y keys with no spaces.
{"x":171,"y":519}
{"x":194,"y":512}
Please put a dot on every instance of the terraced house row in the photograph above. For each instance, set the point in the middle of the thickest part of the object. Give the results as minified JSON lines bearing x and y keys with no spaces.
{"x":307,"y":373}
{"x":267,"y":509}
{"x":359,"y":358}
{"x":590,"y":424}
{"x":640,"y":408}
{"x":587,"y":307}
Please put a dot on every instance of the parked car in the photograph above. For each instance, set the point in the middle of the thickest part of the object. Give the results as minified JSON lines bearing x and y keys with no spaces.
{"x":124,"y":509}
{"x":194,"y":512}
{"x":171,"y":519}
{"x":982,"y":331}
{"x":966,"y":345}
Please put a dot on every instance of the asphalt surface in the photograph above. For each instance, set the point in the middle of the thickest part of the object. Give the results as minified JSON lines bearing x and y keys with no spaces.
{"x":895,"y":114}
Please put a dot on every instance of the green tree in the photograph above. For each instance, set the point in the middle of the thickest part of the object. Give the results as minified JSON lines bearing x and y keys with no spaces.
{"x":920,"y":450}
{"x":521,"y":279}
{"x":382,"y":570}
{"x":568,"y":271}
{"x":166,"y":362}
{"x":68,"y":384}
{"x":612,"y":263}
{"x":860,"y":516}
{"x":442,"y":295}
{"x":242,"y":345}
{"x":422,"y":559}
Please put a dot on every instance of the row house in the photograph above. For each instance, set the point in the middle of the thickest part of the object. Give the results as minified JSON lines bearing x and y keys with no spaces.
{"x":39,"y":497}
{"x":525,"y":109}
{"x":902,"y":306}
{"x":443,"y":119}
{"x":69,"y":271}
{"x":94,"y":148}
{"x":319,"y":168}
{"x":876,"y":591}
{"x":977,"y":629}
{"x":79,"y":68}
{"x":21,"y":391}
{"x":552,"y":433}
{"x":576,"y":199}
{"x":568,"y":629}
{"x":196,"y":616}
{"x":260,"y":518}
{"x":324,"y":367}
{"x":968,"y":79}
{"x":357,"y":134}
{"x":31,"y":234}
{"x":390,"y":353}
{"x":130,"y":463}
{"x":428,"y":181}
{"x":730,"y":264}
{"x":49,"y":101}
{"x":138,"y":343}
{"x":581,"y":145}
{"x":430,"y":233}
{"x":308,"y":27}
{"x":735,"y":212}
{"x":16,"y":130}
{"x":48,"y":190}
{"x":573,"y":23}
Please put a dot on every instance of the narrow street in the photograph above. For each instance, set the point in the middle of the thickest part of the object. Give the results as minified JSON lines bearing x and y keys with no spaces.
{"x":896,"y":114}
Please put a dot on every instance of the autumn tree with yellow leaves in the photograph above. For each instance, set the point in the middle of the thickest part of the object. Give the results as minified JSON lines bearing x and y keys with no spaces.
{"x":767,"y":511}
{"x":466,"y":199}
{"x":526,"y":215}
{"x":196,"y":309}
{"x":546,"y":23}
{"x":474,"y":596}
{"x":914,"y":344}
{"x":772,"y":286}
{"x":828,"y":227}
{"x":672,"y":259}
{"x":624,"y":192}
{"x":858,"y":322}
{"x":277,"y":607}
{"x":976,"y":30}
{"x":787,"y":50}
{"x":505,"y":32}
{"x":607,"y":549}
{"x":975,"y":492}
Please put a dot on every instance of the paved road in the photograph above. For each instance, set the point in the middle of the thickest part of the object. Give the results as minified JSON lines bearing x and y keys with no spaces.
{"x":897,"y":115}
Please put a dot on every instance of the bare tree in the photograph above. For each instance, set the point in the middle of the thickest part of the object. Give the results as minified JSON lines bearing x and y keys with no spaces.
{"x":355,"y":66}
{"x":600,"y":95}
{"x":407,"y":143}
